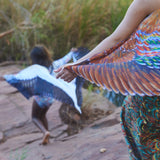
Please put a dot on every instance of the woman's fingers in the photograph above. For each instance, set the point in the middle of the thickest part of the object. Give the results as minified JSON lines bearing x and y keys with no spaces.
{"x":66,"y":75}
{"x":58,"y":70}
{"x":69,"y":77}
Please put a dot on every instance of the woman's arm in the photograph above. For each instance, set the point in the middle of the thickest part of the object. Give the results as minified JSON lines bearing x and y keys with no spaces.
{"x":135,"y":14}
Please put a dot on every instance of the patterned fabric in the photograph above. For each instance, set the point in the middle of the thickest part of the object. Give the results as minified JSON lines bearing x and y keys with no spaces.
{"x":44,"y":101}
{"x":140,"y":119}
{"x":131,"y":67}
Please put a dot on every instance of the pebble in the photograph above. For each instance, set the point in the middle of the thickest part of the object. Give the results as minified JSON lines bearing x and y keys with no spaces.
{"x":102,"y":150}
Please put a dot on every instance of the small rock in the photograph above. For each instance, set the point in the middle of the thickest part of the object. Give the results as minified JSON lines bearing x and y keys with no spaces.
{"x":102,"y":150}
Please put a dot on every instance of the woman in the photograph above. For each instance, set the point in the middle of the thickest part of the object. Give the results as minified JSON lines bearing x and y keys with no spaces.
{"x":128,"y":62}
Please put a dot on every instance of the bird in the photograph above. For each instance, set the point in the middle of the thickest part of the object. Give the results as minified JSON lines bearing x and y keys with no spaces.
{"x":132,"y":67}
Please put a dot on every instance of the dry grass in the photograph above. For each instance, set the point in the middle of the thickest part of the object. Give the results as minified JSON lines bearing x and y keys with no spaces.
{"x":59,"y":24}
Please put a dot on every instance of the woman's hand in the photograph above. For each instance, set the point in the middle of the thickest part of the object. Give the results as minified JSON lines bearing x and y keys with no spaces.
{"x":65,"y":74}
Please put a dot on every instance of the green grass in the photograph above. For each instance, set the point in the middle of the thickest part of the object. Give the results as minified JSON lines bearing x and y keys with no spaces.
{"x":59,"y":24}
{"x":19,"y":155}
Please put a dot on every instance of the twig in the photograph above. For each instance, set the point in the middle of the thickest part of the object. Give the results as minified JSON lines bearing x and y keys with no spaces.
{"x":6,"y":33}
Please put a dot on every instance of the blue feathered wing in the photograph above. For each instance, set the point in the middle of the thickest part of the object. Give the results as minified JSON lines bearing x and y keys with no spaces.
{"x":36,"y":80}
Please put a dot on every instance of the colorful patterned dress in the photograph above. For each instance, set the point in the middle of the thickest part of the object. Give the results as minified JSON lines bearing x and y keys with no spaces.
{"x":140,"y":119}
{"x":133,"y":69}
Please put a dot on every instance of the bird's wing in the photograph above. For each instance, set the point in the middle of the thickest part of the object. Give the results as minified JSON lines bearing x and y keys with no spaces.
{"x":132,"y":67}
{"x":36,"y":80}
